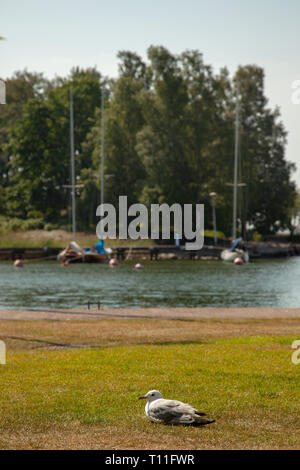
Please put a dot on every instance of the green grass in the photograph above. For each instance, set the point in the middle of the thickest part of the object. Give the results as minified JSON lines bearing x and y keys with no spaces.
{"x":12,"y":241}
{"x":60,"y":238}
{"x":249,"y":385}
{"x":41,"y":238}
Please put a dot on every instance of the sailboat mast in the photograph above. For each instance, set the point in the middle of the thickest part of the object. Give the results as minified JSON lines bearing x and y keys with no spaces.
{"x":236,"y":152}
{"x":72,"y":165}
{"x":102,"y":147}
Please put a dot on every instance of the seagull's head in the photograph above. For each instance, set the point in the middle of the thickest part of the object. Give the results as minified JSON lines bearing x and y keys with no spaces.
{"x":151,"y":396}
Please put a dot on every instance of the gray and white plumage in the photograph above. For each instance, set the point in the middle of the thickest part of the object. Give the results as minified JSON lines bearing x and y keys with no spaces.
{"x":164,"y":411}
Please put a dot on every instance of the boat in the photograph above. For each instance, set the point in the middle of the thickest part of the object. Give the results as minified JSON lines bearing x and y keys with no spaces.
{"x":74,"y":253}
{"x":235,"y":254}
{"x":232,"y":254}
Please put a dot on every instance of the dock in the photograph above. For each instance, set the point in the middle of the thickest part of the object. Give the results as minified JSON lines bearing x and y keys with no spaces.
{"x":256,"y":250}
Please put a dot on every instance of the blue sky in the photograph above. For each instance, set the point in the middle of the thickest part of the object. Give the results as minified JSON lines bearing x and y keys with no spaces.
{"x":53,"y":36}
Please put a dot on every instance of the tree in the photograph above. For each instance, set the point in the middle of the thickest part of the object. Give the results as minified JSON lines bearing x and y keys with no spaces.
{"x":21,"y":87}
{"x":270,"y":191}
{"x":124,"y":170}
{"x":39,"y":148}
{"x":169,"y":137}
{"x":161,"y":142}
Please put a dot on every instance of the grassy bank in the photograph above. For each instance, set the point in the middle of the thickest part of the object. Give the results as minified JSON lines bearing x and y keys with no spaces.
{"x":58,"y":239}
{"x":59,"y":396}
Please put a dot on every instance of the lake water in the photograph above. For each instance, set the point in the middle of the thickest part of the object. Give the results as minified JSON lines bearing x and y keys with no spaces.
{"x":263,"y":283}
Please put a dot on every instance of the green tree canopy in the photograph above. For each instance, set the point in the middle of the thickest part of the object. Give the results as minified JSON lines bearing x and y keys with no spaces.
{"x":169,"y":137}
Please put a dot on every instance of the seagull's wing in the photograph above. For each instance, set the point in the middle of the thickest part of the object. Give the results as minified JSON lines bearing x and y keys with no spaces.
{"x":184,"y":407}
{"x":174,"y":412}
{"x":163,"y":411}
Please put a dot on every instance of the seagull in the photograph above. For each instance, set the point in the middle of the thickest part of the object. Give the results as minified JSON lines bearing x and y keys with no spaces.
{"x":164,"y":411}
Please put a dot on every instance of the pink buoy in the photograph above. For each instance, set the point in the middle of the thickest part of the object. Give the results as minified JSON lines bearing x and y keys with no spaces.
{"x":139,"y":266}
{"x":19,"y":263}
{"x":238,"y":261}
{"x":114,"y":262}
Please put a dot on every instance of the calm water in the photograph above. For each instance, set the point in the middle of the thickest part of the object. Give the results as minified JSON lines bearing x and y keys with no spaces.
{"x":268,"y":283}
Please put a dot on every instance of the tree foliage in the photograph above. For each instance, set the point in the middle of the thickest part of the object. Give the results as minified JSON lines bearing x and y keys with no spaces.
{"x":169,"y":137}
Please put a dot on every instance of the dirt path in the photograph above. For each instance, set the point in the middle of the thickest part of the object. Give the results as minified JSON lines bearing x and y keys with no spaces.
{"x":167,"y":313}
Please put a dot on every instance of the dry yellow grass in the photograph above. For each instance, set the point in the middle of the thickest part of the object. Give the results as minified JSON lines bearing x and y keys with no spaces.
{"x":231,"y":432}
{"x":103,"y":333}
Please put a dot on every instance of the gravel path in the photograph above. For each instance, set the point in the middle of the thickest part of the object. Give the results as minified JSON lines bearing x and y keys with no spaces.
{"x":167,"y":313}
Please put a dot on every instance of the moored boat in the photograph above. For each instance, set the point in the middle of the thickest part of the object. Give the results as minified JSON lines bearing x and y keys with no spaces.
{"x":74,"y":253}
{"x":234,"y":252}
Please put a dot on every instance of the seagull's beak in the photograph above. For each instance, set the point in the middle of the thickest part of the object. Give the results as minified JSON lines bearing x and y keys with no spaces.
{"x":142,"y":398}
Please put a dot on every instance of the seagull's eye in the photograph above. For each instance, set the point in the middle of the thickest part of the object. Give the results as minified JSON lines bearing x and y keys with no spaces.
{"x":153,"y":394}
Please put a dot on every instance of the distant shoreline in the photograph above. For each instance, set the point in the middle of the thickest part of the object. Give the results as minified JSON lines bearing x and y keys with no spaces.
{"x":256,"y":250}
{"x":150,"y":313}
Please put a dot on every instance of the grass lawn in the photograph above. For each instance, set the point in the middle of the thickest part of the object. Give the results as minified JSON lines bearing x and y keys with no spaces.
{"x":75,"y":384}
{"x":59,"y":239}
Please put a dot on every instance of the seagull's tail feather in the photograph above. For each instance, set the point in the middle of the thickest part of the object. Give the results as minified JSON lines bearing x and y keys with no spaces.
{"x":199,"y":413}
{"x":199,"y":421}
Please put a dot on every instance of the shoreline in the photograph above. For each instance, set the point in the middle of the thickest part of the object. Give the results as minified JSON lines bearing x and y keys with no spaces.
{"x":150,"y":313}
{"x":209,"y":251}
